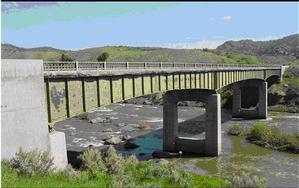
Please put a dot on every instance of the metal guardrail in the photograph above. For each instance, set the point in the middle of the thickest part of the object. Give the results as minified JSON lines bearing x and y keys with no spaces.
{"x":78,"y":66}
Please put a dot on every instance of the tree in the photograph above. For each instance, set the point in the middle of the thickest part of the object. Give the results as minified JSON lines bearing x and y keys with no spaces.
{"x":65,"y":57}
{"x":103,"y":57}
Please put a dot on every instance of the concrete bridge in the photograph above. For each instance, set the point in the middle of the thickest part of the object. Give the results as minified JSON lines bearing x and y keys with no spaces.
{"x":53,"y":91}
{"x":74,"y":88}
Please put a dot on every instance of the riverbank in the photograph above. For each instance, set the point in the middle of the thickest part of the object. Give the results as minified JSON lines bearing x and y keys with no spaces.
{"x":238,"y":155}
{"x":111,"y":170}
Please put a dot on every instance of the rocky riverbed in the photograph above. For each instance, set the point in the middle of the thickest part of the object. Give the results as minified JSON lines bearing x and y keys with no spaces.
{"x":137,"y":129}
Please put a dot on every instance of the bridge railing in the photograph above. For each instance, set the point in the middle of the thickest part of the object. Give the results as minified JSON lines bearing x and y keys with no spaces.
{"x":76,"y":66}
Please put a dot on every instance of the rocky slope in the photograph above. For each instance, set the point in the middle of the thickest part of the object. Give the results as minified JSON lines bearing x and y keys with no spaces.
{"x":274,"y":51}
{"x":285,"y":95}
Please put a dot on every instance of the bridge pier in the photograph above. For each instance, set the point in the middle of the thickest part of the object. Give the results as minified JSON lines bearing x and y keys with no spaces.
{"x":171,"y":140}
{"x":260,"y":112}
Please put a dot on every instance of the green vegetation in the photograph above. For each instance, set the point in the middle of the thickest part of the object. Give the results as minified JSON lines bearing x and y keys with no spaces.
{"x":244,"y":180}
{"x":245,"y":59}
{"x":103,"y":57}
{"x":65,"y":57}
{"x":137,"y":54}
{"x":106,"y":170}
{"x":225,"y":95}
{"x":234,"y":129}
{"x":284,"y":95}
{"x":272,"y":138}
{"x":282,"y":108}
{"x":32,"y":162}
{"x":51,"y":56}
{"x":293,"y":63}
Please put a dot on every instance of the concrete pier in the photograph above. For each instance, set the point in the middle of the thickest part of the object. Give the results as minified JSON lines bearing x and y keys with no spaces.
{"x":213,"y":126}
{"x":260,"y":111}
{"x":171,"y":140}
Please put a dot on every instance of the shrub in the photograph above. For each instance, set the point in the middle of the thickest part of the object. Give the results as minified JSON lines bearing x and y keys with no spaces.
{"x":114,"y":163}
{"x":92,"y":159}
{"x":234,"y":129}
{"x":69,"y":172}
{"x":258,"y":132}
{"x":273,"y":138}
{"x":92,"y":162}
{"x":30,"y":163}
{"x":247,"y":181}
{"x":184,"y":179}
{"x":65,"y":57}
{"x":150,"y":170}
{"x":132,"y":160}
{"x":103,"y":57}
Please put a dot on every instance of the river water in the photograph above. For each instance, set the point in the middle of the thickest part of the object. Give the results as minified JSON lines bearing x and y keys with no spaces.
{"x":280,"y":169}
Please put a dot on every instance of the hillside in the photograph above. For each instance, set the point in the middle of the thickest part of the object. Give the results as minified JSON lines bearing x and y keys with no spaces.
{"x":116,"y":53}
{"x":276,"y":51}
{"x":279,"y":51}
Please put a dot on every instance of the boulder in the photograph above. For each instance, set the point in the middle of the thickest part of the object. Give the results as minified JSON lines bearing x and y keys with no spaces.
{"x":84,"y":115}
{"x":127,"y":137}
{"x":130,"y":145}
{"x":113,"y":140}
{"x":108,"y":130}
{"x":100,"y":120}
{"x":121,"y":124}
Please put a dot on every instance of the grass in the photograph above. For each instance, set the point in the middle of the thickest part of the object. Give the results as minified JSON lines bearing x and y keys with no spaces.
{"x":271,"y":138}
{"x":234,"y":129}
{"x":54,"y":55}
{"x":10,"y":178}
{"x":294,"y":62}
{"x":281,"y":108}
{"x":147,"y":54}
{"x":110,"y":170}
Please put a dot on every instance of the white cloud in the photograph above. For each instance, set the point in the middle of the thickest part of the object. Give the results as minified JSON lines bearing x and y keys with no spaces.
{"x":226,"y":18}
{"x":212,"y":44}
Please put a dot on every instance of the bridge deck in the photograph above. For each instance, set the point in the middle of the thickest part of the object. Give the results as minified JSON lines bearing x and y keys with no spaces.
{"x":71,"y":92}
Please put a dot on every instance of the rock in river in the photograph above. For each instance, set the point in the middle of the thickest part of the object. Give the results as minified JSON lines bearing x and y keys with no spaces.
{"x":130,"y":145}
{"x":113,"y":140}
{"x":100,"y":120}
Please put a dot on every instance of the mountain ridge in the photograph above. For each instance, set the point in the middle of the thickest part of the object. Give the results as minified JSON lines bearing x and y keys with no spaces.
{"x":278,"y":51}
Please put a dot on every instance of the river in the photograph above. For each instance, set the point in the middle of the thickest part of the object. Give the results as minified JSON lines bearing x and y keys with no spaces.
{"x":280,"y":169}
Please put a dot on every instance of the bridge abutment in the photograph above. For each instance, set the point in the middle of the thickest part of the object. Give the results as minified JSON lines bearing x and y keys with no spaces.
{"x":24,"y":117}
{"x":260,"y":111}
{"x":171,"y":140}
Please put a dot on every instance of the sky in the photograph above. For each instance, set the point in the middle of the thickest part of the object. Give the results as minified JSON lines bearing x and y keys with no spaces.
{"x":78,"y":25}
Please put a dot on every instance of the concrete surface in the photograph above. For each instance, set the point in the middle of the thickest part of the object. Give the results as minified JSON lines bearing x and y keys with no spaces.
{"x":171,"y":140}
{"x":24,"y":116}
{"x":58,"y":149}
{"x":24,"y":112}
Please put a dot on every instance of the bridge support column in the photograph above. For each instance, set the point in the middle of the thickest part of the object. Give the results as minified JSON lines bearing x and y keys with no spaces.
{"x":171,"y":140}
{"x":263,"y":101}
{"x":236,"y":101}
{"x":170,"y":122}
{"x":213,"y":126}
{"x":260,"y":112}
